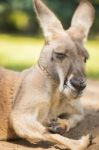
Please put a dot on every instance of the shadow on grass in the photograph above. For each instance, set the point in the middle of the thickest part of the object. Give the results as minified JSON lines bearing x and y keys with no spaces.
{"x":41,"y":144}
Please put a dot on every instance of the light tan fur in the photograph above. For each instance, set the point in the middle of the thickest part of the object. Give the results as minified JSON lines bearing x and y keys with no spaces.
{"x":30,"y":100}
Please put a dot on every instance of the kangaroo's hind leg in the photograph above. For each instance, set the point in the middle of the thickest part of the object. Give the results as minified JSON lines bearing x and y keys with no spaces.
{"x":33,"y":131}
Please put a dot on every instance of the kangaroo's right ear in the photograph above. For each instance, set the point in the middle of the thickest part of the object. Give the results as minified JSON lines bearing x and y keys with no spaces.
{"x":48,"y":21}
{"x":82,"y":20}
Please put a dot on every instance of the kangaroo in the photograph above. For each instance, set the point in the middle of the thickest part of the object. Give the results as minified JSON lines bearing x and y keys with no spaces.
{"x":42,"y":102}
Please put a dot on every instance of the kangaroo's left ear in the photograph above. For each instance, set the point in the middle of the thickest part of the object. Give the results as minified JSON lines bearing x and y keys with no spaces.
{"x":82,"y":20}
{"x":48,"y":21}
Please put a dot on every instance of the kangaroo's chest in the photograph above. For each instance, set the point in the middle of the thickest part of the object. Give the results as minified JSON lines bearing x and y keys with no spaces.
{"x":60,"y":105}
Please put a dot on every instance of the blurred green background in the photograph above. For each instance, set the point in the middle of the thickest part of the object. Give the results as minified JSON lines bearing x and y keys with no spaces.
{"x":21,"y":38}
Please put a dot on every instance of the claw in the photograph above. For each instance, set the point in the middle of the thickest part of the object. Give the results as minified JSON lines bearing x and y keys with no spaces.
{"x":90,"y":138}
{"x":55,"y":127}
{"x":85,"y":141}
{"x":52,"y":122}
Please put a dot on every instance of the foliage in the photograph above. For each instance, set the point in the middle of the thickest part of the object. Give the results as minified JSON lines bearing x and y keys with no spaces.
{"x":16,"y":8}
{"x":18,"y":20}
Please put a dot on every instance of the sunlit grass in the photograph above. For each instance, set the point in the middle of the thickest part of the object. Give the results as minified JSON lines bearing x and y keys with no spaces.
{"x":17,"y":52}
{"x":92,"y":66}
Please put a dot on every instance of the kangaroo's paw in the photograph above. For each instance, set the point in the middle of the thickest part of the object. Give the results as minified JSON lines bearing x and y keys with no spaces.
{"x":82,"y":144}
{"x":57,"y":126}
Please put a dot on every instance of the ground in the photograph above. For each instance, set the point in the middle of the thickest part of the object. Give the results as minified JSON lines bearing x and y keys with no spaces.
{"x":90,"y":124}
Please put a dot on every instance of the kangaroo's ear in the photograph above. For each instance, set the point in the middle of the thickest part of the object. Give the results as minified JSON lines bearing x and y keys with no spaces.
{"x":48,"y":21}
{"x":82,"y":20}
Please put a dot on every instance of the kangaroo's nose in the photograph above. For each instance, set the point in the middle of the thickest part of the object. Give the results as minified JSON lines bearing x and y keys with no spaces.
{"x":78,"y":83}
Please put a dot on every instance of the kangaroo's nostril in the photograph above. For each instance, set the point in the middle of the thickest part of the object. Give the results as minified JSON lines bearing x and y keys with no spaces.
{"x":78,"y":83}
{"x":82,"y":87}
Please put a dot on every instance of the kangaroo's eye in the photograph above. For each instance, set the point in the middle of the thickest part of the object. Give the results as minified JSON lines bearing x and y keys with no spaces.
{"x":85,"y":60}
{"x":60,"y":56}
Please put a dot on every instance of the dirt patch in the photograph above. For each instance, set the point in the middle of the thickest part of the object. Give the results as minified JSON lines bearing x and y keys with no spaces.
{"x":90,"y":124}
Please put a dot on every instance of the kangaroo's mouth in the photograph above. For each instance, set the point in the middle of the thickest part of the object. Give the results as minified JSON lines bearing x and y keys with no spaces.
{"x":70,"y":91}
{"x":67,"y":84}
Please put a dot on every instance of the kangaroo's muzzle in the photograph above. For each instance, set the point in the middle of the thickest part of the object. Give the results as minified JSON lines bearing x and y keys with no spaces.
{"x":78,"y":83}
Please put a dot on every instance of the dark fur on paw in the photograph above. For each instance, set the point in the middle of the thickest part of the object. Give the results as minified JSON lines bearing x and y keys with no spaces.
{"x":55,"y":126}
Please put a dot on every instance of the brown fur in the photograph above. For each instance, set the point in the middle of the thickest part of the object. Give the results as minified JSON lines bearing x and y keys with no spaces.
{"x":31,"y":99}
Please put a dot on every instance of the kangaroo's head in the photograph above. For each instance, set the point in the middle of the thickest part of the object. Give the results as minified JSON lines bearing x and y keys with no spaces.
{"x":63,"y":54}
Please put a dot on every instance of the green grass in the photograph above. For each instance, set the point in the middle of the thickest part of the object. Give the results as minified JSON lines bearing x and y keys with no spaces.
{"x":92,"y":66}
{"x":17,"y":52}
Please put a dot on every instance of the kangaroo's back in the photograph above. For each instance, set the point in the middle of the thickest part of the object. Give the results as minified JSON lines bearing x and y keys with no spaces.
{"x":9,"y":85}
